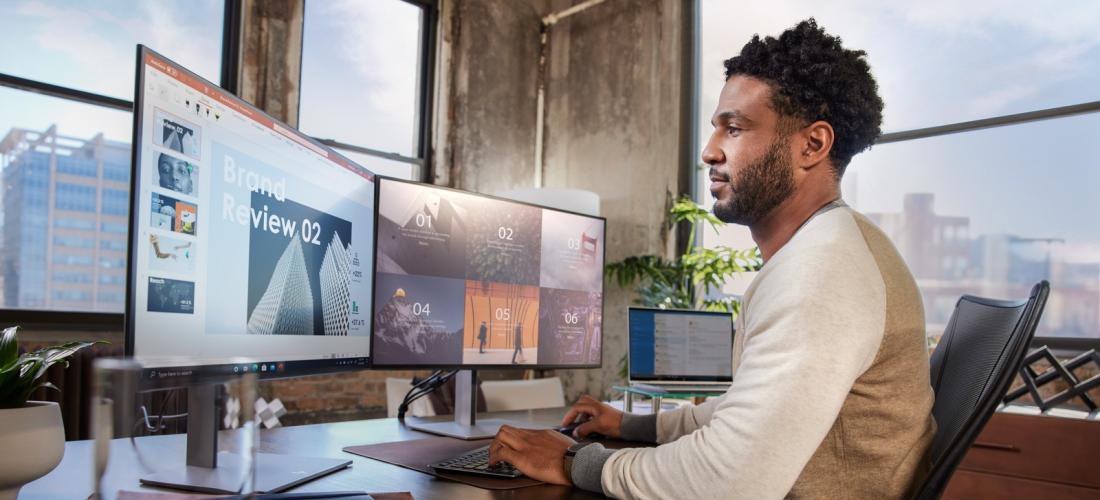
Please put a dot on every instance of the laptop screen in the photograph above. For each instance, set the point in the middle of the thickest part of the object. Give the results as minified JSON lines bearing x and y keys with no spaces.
{"x":679,"y":345}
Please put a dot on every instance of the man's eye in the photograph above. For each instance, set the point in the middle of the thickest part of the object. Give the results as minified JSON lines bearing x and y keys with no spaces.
{"x":731,"y":130}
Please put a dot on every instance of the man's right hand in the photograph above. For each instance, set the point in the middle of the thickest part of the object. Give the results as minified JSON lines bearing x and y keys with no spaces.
{"x":598,"y":418}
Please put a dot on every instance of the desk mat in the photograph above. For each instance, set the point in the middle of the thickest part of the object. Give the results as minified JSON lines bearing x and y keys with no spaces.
{"x":417,"y":454}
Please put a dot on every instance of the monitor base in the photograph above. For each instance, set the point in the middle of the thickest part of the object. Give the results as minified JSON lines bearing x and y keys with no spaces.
{"x":274,"y":473}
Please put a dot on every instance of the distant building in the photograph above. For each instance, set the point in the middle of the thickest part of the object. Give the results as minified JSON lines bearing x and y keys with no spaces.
{"x":935,"y":246}
{"x":65,"y":221}
{"x":948,"y":263}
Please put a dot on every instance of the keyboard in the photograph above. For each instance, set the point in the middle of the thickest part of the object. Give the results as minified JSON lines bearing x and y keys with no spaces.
{"x":477,"y":462}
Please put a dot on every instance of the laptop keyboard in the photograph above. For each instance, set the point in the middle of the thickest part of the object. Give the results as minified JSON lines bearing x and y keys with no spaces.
{"x":477,"y":462}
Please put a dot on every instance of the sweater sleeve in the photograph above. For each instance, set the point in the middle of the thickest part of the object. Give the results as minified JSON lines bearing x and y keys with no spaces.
{"x":813,"y":326}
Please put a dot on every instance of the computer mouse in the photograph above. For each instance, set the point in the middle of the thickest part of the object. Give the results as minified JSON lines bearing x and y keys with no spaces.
{"x":568,"y":430}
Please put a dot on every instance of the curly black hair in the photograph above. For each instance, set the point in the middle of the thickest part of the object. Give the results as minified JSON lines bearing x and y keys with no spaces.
{"x":814,"y":78}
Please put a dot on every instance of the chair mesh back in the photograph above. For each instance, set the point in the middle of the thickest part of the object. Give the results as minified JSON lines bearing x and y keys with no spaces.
{"x":973,"y":349}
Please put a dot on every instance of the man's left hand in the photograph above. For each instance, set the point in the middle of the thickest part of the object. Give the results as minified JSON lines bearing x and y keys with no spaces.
{"x":538,"y":454}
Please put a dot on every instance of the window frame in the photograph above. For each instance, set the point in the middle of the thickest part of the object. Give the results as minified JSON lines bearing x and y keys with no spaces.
{"x":424,"y":101}
{"x":1059,"y":344}
{"x":47,"y":319}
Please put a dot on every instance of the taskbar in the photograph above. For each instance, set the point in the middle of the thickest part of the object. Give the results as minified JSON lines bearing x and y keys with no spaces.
{"x":177,"y":376}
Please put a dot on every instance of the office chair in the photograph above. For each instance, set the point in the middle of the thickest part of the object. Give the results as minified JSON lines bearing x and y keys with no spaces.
{"x":972,"y":367}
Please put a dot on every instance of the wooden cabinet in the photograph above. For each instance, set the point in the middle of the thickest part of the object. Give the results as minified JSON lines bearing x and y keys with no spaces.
{"x":1025,"y":456}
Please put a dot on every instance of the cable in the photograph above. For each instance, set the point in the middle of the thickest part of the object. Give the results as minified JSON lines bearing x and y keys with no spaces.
{"x":421,"y":388}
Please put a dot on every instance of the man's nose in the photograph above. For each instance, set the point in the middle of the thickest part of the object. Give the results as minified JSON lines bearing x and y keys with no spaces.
{"x":712,"y":155}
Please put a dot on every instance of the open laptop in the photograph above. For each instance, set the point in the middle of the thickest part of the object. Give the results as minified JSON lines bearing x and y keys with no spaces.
{"x":680,"y":350}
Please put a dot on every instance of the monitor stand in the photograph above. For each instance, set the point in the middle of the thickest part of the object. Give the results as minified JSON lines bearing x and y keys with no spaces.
{"x":207,"y":471}
{"x":465,"y":424}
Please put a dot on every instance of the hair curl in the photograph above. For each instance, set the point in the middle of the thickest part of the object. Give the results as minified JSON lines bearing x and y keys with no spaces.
{"x":814,"y":78}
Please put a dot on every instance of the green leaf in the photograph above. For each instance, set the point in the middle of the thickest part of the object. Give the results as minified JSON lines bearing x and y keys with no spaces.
{"x":9,"y":348}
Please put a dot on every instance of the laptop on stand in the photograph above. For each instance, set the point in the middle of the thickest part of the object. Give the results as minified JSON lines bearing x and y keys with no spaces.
{"x":680,"y":350}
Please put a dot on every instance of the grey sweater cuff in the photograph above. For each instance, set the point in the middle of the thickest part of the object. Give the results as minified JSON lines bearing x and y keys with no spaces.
{"x":587,"y":468}
{"x":642,"y":428}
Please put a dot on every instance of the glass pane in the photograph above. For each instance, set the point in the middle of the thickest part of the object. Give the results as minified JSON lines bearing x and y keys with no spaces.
{"x":78,"y":155}
{"x":935,"y":62}
{"x":360,"y":67}
{"x":991,"y":213}
{"x":91,"y":45}
{"x":384,"y":166}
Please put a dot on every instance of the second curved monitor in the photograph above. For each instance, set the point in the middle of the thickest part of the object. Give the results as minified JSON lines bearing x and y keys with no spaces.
{"x":466,"y":281}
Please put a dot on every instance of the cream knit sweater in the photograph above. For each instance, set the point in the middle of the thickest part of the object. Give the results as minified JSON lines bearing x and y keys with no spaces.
{"x":830,"y":395}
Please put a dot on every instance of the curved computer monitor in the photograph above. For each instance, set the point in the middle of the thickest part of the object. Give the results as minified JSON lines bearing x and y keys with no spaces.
{"x":247,"y":238}
{"x":469,"y":281}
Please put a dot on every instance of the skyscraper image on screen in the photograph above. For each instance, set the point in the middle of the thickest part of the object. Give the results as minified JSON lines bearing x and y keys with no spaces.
{"x":466,"y":280}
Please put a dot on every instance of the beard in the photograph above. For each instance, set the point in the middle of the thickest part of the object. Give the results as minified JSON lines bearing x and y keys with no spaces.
{"x":758,"y":188}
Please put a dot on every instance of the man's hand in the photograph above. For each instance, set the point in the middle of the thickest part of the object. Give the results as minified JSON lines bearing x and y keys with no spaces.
{"x":538,"y":454}
{"x":601,"y":418}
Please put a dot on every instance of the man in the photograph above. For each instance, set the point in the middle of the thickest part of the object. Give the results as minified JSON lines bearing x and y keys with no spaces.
{"x":830,"y":395}
{"x":518,"y":338}
{"x":481,"y":339}
{"x":176,"y":174}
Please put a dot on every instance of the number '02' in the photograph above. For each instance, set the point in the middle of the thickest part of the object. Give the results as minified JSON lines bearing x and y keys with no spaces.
{"x":311,"y":232}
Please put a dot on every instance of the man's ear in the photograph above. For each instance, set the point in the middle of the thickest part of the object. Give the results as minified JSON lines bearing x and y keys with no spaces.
{"x":816,"y":141}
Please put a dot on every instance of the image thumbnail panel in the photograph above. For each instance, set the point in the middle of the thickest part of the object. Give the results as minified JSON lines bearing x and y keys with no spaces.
{"x":177,"y":134}
{"x":171,"y":255}
{"x":501,"y":324}
{"x":170,"y":214}
{"x":422,"y":230}
{"x":297,"y":258}
{"x":171,"y":296}
{"x":177,"y":175}
{"x":572,"y":252}
{"x":570,"y":327}
{"x":417,"y":320}
{"x":504,"y":242}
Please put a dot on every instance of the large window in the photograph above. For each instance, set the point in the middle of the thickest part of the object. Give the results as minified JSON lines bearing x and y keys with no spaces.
{"x":987,"y":212}
{"x":364,"y":74}
{"x":65,"y":125}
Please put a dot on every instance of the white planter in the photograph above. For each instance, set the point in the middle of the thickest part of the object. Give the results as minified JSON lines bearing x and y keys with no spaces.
{"x":35,"y":439}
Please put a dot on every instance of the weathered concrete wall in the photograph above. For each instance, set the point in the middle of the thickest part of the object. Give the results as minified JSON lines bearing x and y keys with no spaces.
{"x":488,"y":143}
{"x":613,"y":127}
{"x":613,"y":110}
{"x":271,"y":56}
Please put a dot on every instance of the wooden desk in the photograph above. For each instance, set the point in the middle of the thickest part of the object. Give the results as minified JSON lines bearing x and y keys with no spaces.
{"x":73,"y":477}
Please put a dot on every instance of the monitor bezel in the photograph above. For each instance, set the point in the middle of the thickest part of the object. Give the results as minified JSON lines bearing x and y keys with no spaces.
{"x":163,"y":377}
{"x":693,"y":378}
{"x":378,"y":181}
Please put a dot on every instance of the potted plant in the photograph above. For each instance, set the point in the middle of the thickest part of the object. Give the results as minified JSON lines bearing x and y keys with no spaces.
{"x":685,"y":282}
{"x":31,"y":431}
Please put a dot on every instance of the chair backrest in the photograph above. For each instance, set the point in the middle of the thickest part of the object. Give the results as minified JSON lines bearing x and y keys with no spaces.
{"x":504,"y":395}
{"x":977,"y":358}
{"x":396,"y":388}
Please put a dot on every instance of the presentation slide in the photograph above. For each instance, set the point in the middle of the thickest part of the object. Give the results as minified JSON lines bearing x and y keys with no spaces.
{"x":501,"y":324}
{"x":177,"y":134}
{"x":252,"y":239}
{"x":176,"y":174}
{"x":570,"y":327}
{"x":423,"y":231}
{"x":171,"y":255}
{"x":503,"y":242}
{"x":295,"y":276}
{"x":572,"y":252}
{"x":523,"y":283}
{"x":170,"y":214}
{"x":171,"y":296}
{"x":418,"y":319}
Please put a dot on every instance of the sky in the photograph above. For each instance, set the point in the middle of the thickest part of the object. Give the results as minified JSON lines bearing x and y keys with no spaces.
{"x":356,"y":89}
{"x":940,"y":62}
